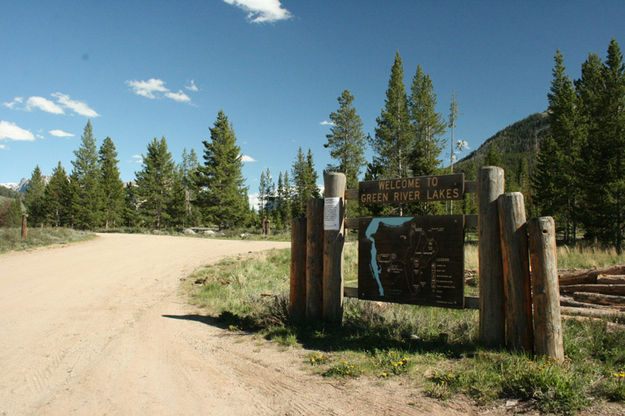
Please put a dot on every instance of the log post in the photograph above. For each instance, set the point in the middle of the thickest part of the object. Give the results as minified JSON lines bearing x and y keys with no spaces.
{"x":24,"y":226}
{"x":492,"y":325}
{"x":333,"y":241}
{"x":314,"y":259}
{"x":297,"y":295}
{"x":545,"y":287}
{"x":519,"y":330}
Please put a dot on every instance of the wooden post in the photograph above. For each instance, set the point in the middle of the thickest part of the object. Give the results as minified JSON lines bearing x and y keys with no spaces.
{"x":297,"y":295}
{"x":333,"y":240}
{"x":314,"y":259}
{"x":546,"y":294}
{"x":24,"y":226}
{"x":519,"y":330}
{"x":492,"y":319}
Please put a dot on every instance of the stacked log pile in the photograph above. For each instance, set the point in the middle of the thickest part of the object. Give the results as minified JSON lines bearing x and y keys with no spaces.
{"x":593,"y":293}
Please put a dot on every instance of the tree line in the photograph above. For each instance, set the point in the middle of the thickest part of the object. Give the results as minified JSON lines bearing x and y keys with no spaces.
{"x":580,"y":171}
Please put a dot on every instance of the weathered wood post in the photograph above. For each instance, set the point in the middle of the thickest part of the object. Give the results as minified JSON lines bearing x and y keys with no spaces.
{"x":519,"y":329}
{"x":333,"y":240}
{"x":546,"y":292}
{"x":297,"y":295}
{"x":24,"y":226}
{"x":490,"y":184}
{"x":314,"y":259}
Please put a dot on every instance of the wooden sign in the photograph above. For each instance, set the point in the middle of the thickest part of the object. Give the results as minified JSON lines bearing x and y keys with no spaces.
{"x":415,"y":260}
{"x":419,"y":189}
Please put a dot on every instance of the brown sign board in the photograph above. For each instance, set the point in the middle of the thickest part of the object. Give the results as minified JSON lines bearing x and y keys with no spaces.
{"x":418,"y":189}
{"x":414,"y":260}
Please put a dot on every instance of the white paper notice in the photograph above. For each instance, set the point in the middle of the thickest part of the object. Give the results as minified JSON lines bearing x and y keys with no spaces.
{"x":331,"y":213}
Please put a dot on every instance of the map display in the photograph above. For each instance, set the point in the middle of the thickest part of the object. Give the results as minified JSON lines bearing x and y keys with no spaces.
{"x":415,"y":260}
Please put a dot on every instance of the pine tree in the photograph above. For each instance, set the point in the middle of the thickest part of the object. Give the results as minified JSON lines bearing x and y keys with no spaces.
{"x":284,"y":198}
{"x":111,"y":186}
{"x":604,"y":147}
{"x":176,"y":203}
{"x":346,"y":140}
{"x":130,"y":213}
{"x":188,"y":170}
{"x":85,"y":188}
{"x":492,"y":157}
{"x":262,"y":196}
{"x":57,"y":197}
{"x":427,"y":124}
{"x":222,"y":195}
{"x":13,"y":217}
{"x":34,"y":198}
{"x":154,"y":184}
{"x":394,"y":137}
{"x":305,"y":182}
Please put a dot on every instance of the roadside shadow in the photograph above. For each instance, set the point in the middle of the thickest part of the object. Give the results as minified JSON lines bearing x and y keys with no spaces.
{"x":348,"y":337}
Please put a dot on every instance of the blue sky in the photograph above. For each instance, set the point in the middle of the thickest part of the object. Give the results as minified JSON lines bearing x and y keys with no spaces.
{"x":145,"y":69}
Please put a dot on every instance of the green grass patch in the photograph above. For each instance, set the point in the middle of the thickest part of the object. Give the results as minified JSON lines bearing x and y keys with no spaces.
{"x":435,"y":349}
{"x":11,"y":238}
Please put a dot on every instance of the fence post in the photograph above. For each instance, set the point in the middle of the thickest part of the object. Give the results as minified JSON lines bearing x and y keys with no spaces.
{"x":492,"y":320}
{"x":519,"y":329}
{"x":24,"y":226}
{"x":314,"y":258}
{"x":297,"y":295}
{"x":545,"y":285}
{"x":333,"y":240}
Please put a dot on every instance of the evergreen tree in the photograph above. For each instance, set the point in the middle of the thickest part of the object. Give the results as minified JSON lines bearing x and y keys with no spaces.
{"x":305,"y":182}
{"x":222,"y":195}
{"x":86,"y":197}
{"x":111,"y":186}
{"x":188,"y":169}
{"x":57,"y":198}
{"x":34,"y":198}
{"x":284,"y":198}
{"x":492,"y":157}
{"x":13,"y":216}
{"x":346,"y":140}
{"x":154,"y":184}
{"x":394,"y":137}
{"x":427,"y":124}
{"x":604,"y":147}
{"x":130,"y":213}
{"x":176,"y":203}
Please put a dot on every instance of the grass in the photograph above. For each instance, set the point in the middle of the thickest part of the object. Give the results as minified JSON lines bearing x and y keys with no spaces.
{"x":434,"y":349}
{"x":11,"y":238}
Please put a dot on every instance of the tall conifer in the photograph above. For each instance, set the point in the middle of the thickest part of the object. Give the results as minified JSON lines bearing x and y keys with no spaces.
{"x":85,"y":186}
{"x":57,"y":197}
{"x":34,"y":198}
{"x":111,"y":186}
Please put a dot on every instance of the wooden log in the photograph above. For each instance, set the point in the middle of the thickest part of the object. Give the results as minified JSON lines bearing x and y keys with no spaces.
{"x":333,"y":241}
{"x":490,"y":185}
{"x":297,"y":294}
{"x":518,"y":308}
{"x":604,"y":313}
{"x":546,"y":296}
{"x":618,"y":290}
{"x":314,"y":259}
{"x":589,"y":276}
{"x":567,"y":301}
{"x":598,"y":298}
{"x":607,"y":279}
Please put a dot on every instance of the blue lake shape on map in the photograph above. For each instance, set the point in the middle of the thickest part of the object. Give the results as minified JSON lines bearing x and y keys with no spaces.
{"x":371,"y":229}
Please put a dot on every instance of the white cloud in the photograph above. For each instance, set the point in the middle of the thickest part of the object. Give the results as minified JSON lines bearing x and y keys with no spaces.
{"x":76,"y":106}
{"x":60,"y":133}
{"x":327,"y":123}
{"x":148,"y":88}
{"x":12,"y":131}
{"x":39,"y":136}
{"x":179,"y":96}
{"x":44,"y":105}
{"x":191,"y":86}
{"x":262,"y":11}
{"x":16,"y":100}
{"x":137,"y":158}
{"x":2,"y":146}
{"x":246,"y":158}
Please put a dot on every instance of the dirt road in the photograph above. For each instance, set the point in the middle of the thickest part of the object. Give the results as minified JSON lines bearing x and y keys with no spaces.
{"x":99,"y":328}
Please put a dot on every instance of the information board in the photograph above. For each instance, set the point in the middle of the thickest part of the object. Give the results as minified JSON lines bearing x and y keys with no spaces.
{"x":419,"y":189}
{"x":415,"y":260}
